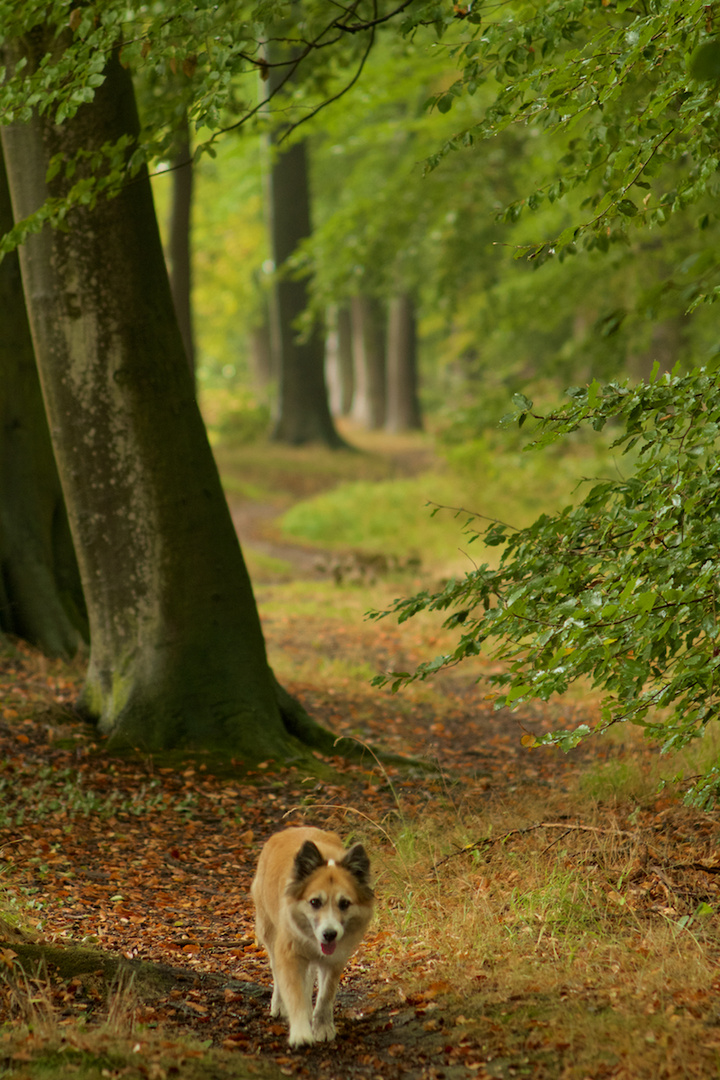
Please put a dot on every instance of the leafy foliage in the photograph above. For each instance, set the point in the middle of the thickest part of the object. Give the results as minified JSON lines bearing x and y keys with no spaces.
{"x":206,"y":56}
{"x":623,"y":588}
{"x":634,"y":86}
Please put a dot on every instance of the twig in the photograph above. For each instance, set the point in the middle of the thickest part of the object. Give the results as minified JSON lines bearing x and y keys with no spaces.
{"x":472,"y":513}
{"x":347,"y":809}
{"x":335,"y":97}
{"x":478,"y":845}
{"x":694,"y":866}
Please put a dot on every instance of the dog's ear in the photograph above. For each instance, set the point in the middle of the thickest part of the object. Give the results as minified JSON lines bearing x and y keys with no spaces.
{"x":307,"y":860}
{"x":357,"y":863}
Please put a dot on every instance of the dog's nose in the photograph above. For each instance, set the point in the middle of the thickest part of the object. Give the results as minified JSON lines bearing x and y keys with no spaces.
{"x":329,"y":935}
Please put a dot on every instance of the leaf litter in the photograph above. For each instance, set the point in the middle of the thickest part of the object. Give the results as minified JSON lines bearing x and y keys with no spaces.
{"x":130,"y":871}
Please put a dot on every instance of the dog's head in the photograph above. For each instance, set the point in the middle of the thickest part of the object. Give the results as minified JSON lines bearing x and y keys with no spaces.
{"x":332,"y":901}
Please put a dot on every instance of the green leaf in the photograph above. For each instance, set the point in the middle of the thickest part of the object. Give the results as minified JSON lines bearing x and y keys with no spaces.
{"x":627,"y":208}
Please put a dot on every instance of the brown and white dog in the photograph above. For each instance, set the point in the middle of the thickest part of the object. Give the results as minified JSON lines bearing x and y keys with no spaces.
{"x":313,"y":902}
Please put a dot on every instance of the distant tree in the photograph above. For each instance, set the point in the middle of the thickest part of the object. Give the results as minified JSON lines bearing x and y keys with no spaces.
{"x":339,"y":359}
{"x":403,"y":404}
{"x":369,"y":404}
{"x":303,"y":410}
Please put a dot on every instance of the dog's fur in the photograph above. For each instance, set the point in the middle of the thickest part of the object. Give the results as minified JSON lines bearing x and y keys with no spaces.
{"x":313,"y":902}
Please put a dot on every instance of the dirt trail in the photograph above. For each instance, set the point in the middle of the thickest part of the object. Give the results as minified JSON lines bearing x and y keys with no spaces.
{"x":257,"y":523}
{"x":258,"y":532}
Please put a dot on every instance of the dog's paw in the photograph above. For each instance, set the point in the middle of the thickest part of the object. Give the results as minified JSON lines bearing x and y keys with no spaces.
{"x":324,"y":1029}
{"x":300,"y":1036}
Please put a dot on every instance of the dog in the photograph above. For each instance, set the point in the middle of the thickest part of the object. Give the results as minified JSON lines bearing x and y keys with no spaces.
{"x":313,"y":902}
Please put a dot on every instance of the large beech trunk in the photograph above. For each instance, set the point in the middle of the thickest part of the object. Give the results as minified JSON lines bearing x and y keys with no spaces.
{"x":177,"y":653}
{"x":41,"y":597}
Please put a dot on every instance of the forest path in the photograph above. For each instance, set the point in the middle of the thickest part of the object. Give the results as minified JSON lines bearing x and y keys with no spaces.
{"x":257,"y":520}
{"x":151,"y":865}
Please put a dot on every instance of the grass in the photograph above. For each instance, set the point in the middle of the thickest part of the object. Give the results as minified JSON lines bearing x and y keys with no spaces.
{"x":395,"y":515}
{"x":117,"y":1043}
{"x":557,"y":942}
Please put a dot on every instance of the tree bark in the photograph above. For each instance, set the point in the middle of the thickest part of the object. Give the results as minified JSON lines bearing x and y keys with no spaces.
{"x":177,"y":653}
{"x":179,"y":238}
{"x":41,"y":596}
{"x":339,"y":360}
{"x":303,"y":412}
{"x":370,"y":400}
{"x":403,"y":405}
{"x":262,"y":355}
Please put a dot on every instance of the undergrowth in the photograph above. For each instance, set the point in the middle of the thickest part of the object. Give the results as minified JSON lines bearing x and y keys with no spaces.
{"x":556,"y":913}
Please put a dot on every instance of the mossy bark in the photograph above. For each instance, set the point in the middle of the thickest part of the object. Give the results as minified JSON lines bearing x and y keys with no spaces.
{"x":41,"y":596}
{"x":177,"y":654}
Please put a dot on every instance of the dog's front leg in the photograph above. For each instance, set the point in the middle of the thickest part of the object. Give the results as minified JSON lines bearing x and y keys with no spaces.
{"x":293,"y":984}
{"x":277,"y":1005}
{"x":323,"y":1025}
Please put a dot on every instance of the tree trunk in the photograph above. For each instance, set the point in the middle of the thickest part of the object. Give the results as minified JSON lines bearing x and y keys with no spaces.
{"x":369,"y":401}
{"x":339,"y":360}
{"x":177,"y":654}
{"x":261,"y":354}
{"x":179,"y":242}
{"x":345,"y":359}
{"x":303,"y":412}
{"x":41,"y":597}
{"x":403,"y":406}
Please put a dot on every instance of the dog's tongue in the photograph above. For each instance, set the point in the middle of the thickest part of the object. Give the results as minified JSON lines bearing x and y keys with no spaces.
{"x":329,"y":947}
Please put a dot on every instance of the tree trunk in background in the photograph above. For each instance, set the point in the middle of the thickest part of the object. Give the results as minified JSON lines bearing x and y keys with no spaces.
{"x":179,"y":239}
{"x":403,"y":405}
{"x":261,"y":355}
{"x":338,"y":360}
{"x":177,"y":654}
{"x":369,"y":401}
{"x":41,"y":596}
{"x":667,"y":343}
{"x":303,"y":412}
{"x":345,"y":359}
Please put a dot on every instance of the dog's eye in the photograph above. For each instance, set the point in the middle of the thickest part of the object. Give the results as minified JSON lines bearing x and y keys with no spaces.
{"x":343,"y":904}
{"x":316,"y":902}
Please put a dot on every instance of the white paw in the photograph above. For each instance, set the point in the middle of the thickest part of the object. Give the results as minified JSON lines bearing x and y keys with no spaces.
{"x":324,"y":1030}
{"x":301,"y":1035}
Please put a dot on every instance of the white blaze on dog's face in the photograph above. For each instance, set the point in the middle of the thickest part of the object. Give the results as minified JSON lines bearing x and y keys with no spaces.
{"x":330,"y":900}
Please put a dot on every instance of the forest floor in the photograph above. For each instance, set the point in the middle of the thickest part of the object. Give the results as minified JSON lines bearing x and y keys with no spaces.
{"x":539,"y":915}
